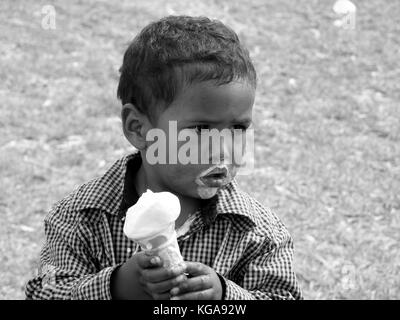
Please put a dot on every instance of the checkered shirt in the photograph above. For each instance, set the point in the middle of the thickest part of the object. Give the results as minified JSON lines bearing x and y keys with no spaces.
{"x":243,"y":241}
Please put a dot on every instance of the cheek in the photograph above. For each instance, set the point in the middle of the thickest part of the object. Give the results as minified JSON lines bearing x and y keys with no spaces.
{"x":181,"y":178}
{"x":180,"y":174}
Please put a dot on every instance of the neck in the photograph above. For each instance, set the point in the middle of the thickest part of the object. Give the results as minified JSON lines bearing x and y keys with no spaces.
{"x":144,"y":180}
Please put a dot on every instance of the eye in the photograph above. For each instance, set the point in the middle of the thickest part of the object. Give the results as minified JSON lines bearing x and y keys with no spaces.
{"x":200,"y":127}
{"x":240,"y":127}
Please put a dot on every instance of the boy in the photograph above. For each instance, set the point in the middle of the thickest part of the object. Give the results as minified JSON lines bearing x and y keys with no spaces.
{"x":195,"y":73}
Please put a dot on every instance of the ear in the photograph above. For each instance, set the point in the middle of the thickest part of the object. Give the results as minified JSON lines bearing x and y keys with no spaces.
{"x":135,"y":125}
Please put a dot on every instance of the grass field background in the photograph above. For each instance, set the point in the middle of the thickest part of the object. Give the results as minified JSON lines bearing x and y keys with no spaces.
{"x":326,"y":123}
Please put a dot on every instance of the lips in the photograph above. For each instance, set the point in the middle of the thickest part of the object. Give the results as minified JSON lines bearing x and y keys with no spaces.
{"x":217,"y":172}
{"x":217,"y":177}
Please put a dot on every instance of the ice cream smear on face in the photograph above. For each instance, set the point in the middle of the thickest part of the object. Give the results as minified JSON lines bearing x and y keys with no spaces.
{"x":151,"y":223}
{"x":211,"y":179}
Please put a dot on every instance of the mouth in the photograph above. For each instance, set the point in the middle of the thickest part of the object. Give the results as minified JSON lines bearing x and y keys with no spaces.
{"x":217,"y":177}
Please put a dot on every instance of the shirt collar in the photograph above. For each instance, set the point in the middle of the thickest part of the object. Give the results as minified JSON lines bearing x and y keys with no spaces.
{"x":115,"y":192}
{"x":107,"y":192}
{"x":234,"y":202}
{"x":130,"y":195}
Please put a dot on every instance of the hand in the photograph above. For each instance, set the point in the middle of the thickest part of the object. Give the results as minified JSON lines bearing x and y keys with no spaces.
{"x":203,"y":283}
{"x":156,"y":280}
{"x":143,"y":277}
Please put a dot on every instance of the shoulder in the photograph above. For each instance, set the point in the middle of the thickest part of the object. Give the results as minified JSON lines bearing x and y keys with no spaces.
{"x":69,"y":212}
{"x":266,"y":222}
{"x":249,"y":215}
{"x":87,"y":203}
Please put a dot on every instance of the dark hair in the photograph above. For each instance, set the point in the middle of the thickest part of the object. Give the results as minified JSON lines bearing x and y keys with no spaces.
{"x":177,"y":51}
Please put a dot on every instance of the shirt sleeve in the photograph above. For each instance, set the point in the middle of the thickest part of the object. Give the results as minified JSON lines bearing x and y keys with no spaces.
{"x":68,"y":265}
{"x":269,"y":275}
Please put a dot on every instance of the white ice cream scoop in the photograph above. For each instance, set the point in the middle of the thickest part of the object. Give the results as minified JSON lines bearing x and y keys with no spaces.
{"x":151,"y":214}
{"x":151,"y":223}
{"x":344,"y":6}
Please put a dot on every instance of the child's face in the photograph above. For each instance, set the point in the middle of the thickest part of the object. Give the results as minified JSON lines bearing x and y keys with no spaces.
{"x":202,"y":106}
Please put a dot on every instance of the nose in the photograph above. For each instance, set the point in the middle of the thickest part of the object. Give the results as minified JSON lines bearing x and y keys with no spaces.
{"x":223,"y":152}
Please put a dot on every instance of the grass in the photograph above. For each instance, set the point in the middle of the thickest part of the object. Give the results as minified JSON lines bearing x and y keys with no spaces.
{"x":326,"y":118}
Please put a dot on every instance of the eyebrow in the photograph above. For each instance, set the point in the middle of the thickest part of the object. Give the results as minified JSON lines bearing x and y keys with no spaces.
{"x":241,"y":121}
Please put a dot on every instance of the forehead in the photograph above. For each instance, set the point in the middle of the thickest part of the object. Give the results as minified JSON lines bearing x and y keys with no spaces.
{"x":207,"y":101}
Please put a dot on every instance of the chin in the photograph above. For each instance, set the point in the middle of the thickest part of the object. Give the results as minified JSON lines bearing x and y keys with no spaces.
{"x":206,"y":192}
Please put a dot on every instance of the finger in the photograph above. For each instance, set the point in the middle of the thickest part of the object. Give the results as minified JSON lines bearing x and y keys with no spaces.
{"x":161,"y":274}
{"x":162,"y":296}
{"x":196,"y":268}
{"x":155,"y":295}
{"x":148,"y":261}
{"x":197,"y":295}
{"x":145,"y":288}
{"x":164,"y":286}
{"x":193,"y":284}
